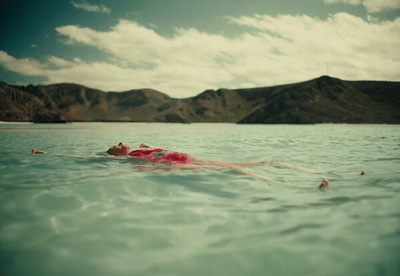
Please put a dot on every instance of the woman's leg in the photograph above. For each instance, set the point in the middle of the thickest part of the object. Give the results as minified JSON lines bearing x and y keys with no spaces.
{"x":250,"y":172}
{"x":261,"y":163}
{"x":288,"y":166}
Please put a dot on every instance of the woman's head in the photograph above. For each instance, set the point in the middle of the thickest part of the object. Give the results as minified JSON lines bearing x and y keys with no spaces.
{"x":120,"y":149}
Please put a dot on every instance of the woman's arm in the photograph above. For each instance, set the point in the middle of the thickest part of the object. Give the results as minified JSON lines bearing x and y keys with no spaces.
{"x":35,"y":151}
{"x":143,"y":145}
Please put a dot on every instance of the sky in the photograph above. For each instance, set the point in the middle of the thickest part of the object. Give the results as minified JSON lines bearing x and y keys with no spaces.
{"x":183,"y":47}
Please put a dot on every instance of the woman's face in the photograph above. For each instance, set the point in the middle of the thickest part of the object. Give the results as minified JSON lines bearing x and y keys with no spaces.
{"x":120,"y":149}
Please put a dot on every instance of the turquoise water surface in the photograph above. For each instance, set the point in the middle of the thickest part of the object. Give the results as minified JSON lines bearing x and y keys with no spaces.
{"x":101,"y":216}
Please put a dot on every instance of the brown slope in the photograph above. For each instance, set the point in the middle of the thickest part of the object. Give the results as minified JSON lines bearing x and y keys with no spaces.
{"x":72,"y":102}
{"x":222,"y":105}
{"x":324,"y":99}
{"x":329,"y":100}
{"x":19,"y":106}
{"x":144,"y":105}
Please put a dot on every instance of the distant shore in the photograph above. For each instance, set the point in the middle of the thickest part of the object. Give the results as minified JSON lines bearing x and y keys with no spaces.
{"x":14,"y":123}
{"x":194,"y":123}
{"x":321,"y":100}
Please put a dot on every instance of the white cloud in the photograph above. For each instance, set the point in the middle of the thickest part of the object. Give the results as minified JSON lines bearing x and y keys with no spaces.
{"x":279,"y":49}
{"x":372,"y":6}
{"x":92,"y":8}
{"x":354,"y":48}
{"x":25,"y":66}
{"x":59,"y":62}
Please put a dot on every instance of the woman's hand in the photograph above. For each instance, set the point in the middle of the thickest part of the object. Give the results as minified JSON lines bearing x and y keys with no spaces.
{"x":143,"y":145}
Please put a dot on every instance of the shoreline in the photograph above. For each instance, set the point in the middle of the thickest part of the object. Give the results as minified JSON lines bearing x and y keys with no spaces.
{"x":193,"y":123}
{"x":15,"y":123}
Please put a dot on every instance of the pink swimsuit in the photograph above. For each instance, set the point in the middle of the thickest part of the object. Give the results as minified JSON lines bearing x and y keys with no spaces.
{"x":162,"y":156}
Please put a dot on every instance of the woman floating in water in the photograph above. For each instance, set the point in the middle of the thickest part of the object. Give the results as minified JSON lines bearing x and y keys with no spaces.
{"x":184,"y":161}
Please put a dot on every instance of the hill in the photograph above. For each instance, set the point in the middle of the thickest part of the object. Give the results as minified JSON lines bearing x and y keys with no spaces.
{"x":321,"y":100}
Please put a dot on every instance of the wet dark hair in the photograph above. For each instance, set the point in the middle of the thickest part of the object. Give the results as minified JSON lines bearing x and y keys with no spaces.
{"x":110,"y":149}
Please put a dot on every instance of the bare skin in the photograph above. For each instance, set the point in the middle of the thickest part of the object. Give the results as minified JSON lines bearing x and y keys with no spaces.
{"x":34,"y":151}
{"x":239,"y":166}
{"x":122,"y":149}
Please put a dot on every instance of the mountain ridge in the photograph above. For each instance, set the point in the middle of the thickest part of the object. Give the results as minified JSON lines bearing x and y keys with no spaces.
{"x":321,"y":100}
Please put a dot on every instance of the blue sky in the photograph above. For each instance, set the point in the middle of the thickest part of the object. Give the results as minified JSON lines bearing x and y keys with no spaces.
{"x":182,"y":47}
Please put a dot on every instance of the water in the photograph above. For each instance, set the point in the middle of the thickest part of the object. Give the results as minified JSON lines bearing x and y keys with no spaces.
{"x":93,"y":216}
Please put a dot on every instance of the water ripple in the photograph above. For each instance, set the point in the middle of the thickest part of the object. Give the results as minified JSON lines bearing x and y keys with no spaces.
{"x":301,"y":227}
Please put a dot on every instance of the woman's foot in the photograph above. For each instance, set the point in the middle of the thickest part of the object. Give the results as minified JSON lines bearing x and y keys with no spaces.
{"x":324,"y":183}
{"x":34,"y":151}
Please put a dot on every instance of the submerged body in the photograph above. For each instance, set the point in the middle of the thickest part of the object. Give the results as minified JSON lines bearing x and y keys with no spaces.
{"x":155,"y":155}
{"x":185,"y":161}
{"x":188,"y":162}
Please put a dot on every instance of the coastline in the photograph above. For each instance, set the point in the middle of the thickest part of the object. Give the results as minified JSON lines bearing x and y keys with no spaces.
{"x":15,"y":123}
